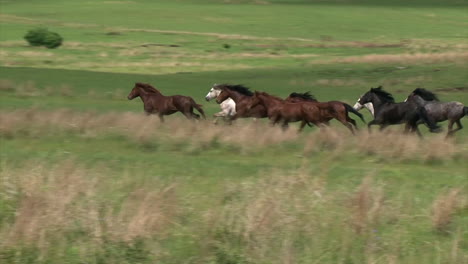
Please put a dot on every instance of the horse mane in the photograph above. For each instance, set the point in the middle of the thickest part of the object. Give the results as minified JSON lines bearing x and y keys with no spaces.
{"x":425,"y":94}
{"x":237,"y":88}
{"x":269,"y":95}
{"x":147,"y":87}
{"x":306,"y":96}
{"x":384,"y":95}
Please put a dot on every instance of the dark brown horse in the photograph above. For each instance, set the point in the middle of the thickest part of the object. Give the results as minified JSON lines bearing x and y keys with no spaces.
{"x":280,"y":110}
{"x":242,"y":96}
{"x":337,"y":106}
{"x":156,"y":103}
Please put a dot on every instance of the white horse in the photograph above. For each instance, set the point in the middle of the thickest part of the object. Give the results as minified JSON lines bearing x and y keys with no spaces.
{"x":228,"y":106}
{"x":369,"y":106}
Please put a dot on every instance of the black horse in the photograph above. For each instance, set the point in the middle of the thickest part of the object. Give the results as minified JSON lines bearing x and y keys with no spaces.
{"x":439,"y":111}
{"x":387,"y":112}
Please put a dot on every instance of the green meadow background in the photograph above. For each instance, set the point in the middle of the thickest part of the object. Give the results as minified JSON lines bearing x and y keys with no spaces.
{"x":86,"y":177}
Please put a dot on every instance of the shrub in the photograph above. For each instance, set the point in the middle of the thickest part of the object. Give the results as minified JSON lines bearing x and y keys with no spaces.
{"x":43,"y":37}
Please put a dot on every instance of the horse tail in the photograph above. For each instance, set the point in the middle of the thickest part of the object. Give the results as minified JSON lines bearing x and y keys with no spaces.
{"x":465,"y":110}
{"x":352,"y":110}
{"x":200,"y":109}
{"x":433,"y":127}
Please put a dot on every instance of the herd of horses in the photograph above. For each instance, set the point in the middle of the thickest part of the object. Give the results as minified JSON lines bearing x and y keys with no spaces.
{"x":238,"y":101}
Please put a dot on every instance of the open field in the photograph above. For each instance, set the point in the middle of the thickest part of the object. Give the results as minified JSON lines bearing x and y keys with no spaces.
{"x":86,"y":177}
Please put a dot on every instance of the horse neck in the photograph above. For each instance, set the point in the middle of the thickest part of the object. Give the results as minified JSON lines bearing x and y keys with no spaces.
{"x":156,"y":92}
{"x":377,"y":102}
{"x":144,"y":95}
{"x":420,"y":101}
{"x":237,"y":97}
{"x":268,"y":100}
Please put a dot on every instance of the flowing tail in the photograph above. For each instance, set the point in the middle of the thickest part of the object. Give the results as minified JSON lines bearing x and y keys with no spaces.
{"x":352,"y":110}
{"x":433,"y":127}
{"x":465,"y":110}
{"x":200,"y":109}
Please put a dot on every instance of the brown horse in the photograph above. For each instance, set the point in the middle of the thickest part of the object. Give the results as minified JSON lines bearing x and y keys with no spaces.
{"x":280,"y":110}
{"x":242,"y":96}
{"x":156,"y":103}
{"x":337,"y":106}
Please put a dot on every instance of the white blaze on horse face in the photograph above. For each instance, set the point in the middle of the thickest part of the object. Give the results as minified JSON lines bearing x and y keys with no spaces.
{"x":370,"y":107}
{"x":213,"y":93}
{"x":357,"y":106}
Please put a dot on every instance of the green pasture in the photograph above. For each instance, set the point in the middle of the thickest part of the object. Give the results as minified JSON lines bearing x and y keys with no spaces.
{"x":157,"y":37}
{"x":85,"y":177}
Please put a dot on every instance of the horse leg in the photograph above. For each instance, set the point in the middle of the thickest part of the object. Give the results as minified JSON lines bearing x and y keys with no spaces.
{"x":416,"y":129}
{"x":352,"y":121}
{"x":371,"y":123}
{"x":382,"y":127}
{"x":285,"y":125}
{"x":192,"y":114}
{"x":346,"y":124}
{"x":452,"y":131}
{"x":303,"y":123}
{"x":413,"y":128}
{"x":161,"y":118}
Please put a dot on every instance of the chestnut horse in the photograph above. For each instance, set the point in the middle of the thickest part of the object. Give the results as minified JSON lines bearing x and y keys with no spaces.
{"x":337,"y":106}
{"x":242,"y":96}
{"x":156,"y":103}
{"x":280,"y":110}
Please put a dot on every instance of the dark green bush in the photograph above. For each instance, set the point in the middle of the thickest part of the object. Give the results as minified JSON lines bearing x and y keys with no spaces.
{"x":43,"y":37}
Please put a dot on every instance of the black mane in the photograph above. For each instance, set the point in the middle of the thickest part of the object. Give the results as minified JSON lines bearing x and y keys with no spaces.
{"x":236,"y":88}
{"x":306,"y":96}
{"x":425,"y":94}
{"x":384,"y":95}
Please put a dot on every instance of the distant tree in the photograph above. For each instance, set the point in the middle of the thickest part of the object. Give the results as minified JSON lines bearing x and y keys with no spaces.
{"x":43,"y":37}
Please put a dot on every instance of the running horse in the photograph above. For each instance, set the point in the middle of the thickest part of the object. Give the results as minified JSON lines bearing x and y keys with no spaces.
{"x":388,"y":112}
{"x":228,"y":106}
{"x":156,"y":103}
{"x":284,"y":112}
{"x":439,"y":111}
{"x":242,"y":97}
{"x":340,"y":108}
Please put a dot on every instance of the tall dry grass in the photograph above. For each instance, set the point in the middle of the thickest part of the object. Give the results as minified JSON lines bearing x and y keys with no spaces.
{"x":52,"y":203}
{"x":445,"y":206}
{"x":293,"y":216}
{"x":296,"y":217}
{"x":243,"y":135}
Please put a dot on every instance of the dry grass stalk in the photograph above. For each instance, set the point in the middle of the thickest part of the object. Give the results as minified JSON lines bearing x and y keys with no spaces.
{"x":444,"y":208}
{"x":144,"y":214}
{"x":367,"y":205}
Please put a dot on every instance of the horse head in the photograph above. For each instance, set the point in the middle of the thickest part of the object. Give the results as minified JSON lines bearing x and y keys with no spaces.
{"x":135,"y":92}
{"x":222,"y":96}
{"x":373,"y":93}
{"x":213,"y":93}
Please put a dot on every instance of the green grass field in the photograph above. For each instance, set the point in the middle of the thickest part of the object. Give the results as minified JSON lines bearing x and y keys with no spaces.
{"x":86,"y":177}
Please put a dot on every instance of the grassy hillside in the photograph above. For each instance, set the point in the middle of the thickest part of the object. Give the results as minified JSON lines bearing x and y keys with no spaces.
{"x":86,"y":177}
{"x":158,"y":37}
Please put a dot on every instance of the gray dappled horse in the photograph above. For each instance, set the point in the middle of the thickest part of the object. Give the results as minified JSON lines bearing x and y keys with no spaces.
{"x":439,"y":111}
